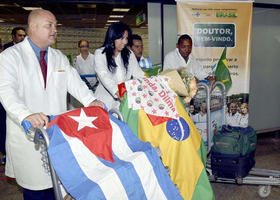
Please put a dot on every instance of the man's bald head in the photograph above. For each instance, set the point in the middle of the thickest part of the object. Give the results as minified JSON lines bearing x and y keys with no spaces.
{"x":35,"y":15}
{"x":42,"y":28}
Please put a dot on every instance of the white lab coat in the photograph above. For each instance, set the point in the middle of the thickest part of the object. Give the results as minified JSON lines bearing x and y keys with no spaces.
{"x":233,"y":120}
{"x":22,"y":93}
{"x":200,"y":121}
{"x":108,"y":81}
{"x":174,"y":60}
{"x":243,"y":122}
{"x":86,"y":67}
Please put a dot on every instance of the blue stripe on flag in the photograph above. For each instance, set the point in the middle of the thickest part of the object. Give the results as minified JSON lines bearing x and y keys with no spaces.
{"x":128,"y":177}
{"x":74,"y":181}
{"x":150,"y":62}
{"x":135,"y":144}
{"x":143,"y":63}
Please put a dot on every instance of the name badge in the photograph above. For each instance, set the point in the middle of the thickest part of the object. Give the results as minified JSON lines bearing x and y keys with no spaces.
{"x":60,"y":70}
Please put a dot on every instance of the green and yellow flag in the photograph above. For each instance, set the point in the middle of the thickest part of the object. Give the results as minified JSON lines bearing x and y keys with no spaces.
{"x":185,"y":157}
{"x":152,"y":71}
{"x":222,"y":71}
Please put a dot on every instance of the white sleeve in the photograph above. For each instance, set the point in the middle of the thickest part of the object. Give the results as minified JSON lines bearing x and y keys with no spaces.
{"x":76,"y":65}
{"x":167,"y":63}
{"x":136,"y":71}
{"x":76,"y":86}
{"x":103,"y":73}
{"x":9,"y":96}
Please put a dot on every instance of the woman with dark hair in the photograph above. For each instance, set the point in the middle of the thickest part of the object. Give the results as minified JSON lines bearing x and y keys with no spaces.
{"x":114,"y":64}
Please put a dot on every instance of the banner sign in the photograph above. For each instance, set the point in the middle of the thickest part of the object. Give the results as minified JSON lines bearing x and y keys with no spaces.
{"x":221,"y":35}
{"x":214,"y":35}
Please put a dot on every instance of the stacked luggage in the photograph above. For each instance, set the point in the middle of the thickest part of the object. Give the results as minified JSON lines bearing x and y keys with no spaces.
{"x":233,"y":152}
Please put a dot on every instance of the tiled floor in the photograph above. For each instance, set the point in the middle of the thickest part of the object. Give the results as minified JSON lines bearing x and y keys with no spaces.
{"x":267,"y":157}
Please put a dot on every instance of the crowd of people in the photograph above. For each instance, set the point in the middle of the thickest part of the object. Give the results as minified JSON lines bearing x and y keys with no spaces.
{"x":237,"y":116}
{"x":36,"y":78}
{"x":234,"y":115}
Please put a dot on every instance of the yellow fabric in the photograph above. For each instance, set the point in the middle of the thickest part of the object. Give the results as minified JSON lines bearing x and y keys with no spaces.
{"x":180,"y":156}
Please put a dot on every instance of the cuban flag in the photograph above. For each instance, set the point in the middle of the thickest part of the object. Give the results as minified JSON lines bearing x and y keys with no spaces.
{"x":97,"y":156}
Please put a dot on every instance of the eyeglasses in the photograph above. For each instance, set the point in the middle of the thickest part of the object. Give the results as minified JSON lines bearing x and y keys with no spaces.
{"x":84,"y":46}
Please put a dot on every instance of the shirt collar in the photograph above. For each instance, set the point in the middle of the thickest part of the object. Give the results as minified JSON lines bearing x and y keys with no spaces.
{"x":37,"y":50}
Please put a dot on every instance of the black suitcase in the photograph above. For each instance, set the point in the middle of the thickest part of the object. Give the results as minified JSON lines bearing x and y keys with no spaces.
{"x":231,"y":166}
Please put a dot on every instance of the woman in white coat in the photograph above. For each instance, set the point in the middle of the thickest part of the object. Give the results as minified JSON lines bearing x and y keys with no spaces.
{"x":26,"y":96}
{"x":244,"y":115}
{"x":114,"y":64}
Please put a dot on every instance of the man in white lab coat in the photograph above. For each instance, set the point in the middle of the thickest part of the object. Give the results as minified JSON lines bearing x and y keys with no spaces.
{"x":181,"y":57}
{"x":27,"y":95}
{"x":84,"y":63}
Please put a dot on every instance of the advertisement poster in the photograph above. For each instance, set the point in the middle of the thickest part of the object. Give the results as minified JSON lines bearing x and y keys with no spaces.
{"x":221,"y":35}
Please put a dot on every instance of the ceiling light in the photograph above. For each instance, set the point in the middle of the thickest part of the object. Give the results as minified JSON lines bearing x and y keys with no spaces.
{"x":59,"y":24}
{"x":116,"y":16}
{"x":1,"y":20}
{"x":8,"y":5}
{"x":121,"y":9}
{"x":88,"y":19}
{"x":31,"y":8}
{"x":112,"y":21}
{"x":86,"y":5}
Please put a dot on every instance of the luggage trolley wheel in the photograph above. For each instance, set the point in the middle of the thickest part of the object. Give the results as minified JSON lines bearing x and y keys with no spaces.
{"x":264,"y":190}
{"x":239,"y":180}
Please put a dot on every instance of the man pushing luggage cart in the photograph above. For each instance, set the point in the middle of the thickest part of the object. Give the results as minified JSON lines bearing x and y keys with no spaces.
{"x":96,"y":156}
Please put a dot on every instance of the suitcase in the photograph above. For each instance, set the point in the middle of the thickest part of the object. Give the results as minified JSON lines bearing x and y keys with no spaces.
{"x":231,"y":166}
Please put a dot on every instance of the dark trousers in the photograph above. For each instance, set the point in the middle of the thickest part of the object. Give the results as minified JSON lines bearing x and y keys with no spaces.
{"x":47,"y":194}
{"x":2,"y":130}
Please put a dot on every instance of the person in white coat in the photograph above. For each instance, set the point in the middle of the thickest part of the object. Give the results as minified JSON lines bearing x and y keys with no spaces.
{"x":114,"y":64}
{"x":84,"y":63}
{"x":181,"y":57}
{"x":26,"y":96}
{"x":200,"y":121}
{"x":233,"y":118}
{"x":244,"y":115}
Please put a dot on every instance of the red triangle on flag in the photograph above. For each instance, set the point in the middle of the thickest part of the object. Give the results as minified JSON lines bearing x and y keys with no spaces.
{"x":92,"y":126}
{"x":155,"y":120}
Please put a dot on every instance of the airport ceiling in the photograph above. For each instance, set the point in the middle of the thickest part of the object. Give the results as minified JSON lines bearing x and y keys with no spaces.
{"x":80,"y":14}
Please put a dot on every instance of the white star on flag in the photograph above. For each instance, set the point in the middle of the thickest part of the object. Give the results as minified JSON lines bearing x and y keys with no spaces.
{"x":83,"y":120}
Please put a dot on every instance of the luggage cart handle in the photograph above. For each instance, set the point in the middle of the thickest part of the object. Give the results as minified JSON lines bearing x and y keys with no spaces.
{"x":38,"y":135}
{"x":87,"y":75}
{"x":208,"y":118}
{"x":117,"y":112}
{"x":35,"y":134}
{"x":222,"y":88}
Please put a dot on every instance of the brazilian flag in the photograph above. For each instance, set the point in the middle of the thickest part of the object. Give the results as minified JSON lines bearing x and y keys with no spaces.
{"x":222,"y":71}
{"x":184,"y":158}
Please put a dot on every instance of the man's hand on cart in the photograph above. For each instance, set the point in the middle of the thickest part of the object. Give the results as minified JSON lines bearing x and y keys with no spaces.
{"x":38,"y":120}
{"x":97,"y":103}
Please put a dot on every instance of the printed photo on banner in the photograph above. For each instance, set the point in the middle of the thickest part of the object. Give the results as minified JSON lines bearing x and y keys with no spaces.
{"x":221,"y":36}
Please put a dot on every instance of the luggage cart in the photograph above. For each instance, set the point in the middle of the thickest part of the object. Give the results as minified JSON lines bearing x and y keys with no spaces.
{"x":41,"y":139}
{"x":265,"y":178}
{"x":91,"y":87}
